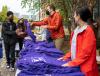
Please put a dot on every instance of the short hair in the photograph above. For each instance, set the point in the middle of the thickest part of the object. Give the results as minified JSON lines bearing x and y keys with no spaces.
{"x":52,"y":7}
{"x":84,"y":12}
{"x":9,"y":13}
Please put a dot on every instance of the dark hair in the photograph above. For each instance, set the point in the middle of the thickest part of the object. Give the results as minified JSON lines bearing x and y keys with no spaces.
{"x":9,"y":13}
{"x":21,"y":25}
{"x":52,"y":7}
{"x":85,"y":13}
{"x":20,"y":20}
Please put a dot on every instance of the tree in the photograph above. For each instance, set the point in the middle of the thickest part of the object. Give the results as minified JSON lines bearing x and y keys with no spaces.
{"x":66,"y":7}
{"x":3,"y":13}
{"x":15,"y":19}
{"x":31,"y":4}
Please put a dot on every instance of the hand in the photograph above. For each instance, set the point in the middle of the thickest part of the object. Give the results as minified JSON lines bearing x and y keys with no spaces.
{"x":45,"y":26}
{"x":62,"y":58}
{"x":65,"y":65}
{"x":17,"y":30}
{"x":31,"y":24}
{"x":21,"y":33}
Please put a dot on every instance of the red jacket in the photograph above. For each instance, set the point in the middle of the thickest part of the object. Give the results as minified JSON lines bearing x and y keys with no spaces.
{"x":85,"y":51}
{"x":55,"y":25}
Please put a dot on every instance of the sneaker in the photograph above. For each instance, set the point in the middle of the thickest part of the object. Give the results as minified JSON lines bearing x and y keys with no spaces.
{"x":7,"y":66}
{"x":12,"y":69}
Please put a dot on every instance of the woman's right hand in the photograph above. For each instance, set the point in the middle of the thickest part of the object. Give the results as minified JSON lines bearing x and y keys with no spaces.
{"x":17,"y":30}
{"x":31,"y":24}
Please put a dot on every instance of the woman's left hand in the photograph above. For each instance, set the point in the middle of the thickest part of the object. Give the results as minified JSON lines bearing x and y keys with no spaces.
{"x":65,"y":65}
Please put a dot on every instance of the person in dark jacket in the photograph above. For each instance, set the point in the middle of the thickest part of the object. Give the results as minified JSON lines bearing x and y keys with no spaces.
{"x":9,"y":37}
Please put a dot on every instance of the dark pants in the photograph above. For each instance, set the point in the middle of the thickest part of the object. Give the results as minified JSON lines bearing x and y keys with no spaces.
{"x":10,"y":53}
{"x":20,"y":41}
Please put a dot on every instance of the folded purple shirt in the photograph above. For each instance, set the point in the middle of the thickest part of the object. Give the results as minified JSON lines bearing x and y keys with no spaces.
{"x":30,"y":46}
{"x":36,"y":64}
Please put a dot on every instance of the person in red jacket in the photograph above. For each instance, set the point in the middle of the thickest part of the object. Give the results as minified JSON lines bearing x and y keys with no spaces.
{"x":54,"y":24}
{"x":83,"y":44}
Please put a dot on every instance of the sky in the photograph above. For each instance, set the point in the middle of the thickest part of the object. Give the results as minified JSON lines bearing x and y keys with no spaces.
{"x":15,"y":6}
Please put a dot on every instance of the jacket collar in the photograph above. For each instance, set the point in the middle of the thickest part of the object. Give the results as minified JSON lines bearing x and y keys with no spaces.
{"x":52,"y":14}
{"x":80,"y":29}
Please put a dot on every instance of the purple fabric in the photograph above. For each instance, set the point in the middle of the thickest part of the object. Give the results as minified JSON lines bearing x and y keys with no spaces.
{"x":43,"y":64}
{"x":40,"y":58}
{"x":31,"y":46}
{"x":46,"y":44}
{"x":29,"y":59}
{"x":40,"y":43}
{"x":1,"y":50}
{"x":28,"y":30}
{"x":69,"y":74}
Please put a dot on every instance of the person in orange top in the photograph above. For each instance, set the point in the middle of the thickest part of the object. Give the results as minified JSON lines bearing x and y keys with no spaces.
{"x":54,"y":24}
{"x":83,"y":44}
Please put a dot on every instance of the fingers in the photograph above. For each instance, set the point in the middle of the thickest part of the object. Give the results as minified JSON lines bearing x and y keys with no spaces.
{"x":60,"y":58}
{"x":17,"y":31}
{"x":32,"y":24}
{"x":65,"y":65}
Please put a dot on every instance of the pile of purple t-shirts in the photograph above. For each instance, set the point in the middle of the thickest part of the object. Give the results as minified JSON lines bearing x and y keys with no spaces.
{"x":40,"y":47}
{"x":40,"y":59}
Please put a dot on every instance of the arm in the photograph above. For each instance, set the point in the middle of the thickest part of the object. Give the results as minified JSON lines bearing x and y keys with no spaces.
{"x":86,"y":50}
{"x":57,"y":23}
{"x":39,"y":23}
{"x":7,"y":31}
